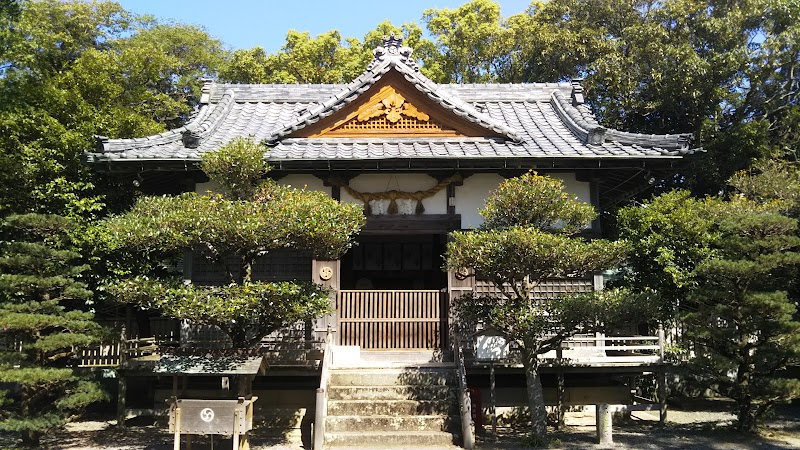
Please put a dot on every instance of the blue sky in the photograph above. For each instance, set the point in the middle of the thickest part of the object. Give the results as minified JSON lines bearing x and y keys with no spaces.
{"x":248,"y":23}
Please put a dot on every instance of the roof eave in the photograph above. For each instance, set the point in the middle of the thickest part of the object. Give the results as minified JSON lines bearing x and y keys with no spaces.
{"x":116,"y":165}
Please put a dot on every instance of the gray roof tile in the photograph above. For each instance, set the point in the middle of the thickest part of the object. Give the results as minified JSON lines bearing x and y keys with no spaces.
{"x":540,"y":120}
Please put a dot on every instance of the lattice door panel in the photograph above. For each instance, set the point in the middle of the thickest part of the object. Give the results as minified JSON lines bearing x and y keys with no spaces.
{"x":391,"y":319}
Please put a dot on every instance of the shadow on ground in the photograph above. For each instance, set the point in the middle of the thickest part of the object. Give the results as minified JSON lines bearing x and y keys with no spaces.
{"x":105,"y":436}
{"x":710,"y":430}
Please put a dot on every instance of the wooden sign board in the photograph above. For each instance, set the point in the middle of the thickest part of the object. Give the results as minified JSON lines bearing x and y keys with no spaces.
{"x":228,"y":417}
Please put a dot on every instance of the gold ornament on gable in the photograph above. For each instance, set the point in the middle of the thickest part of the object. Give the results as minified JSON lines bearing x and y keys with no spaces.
{"x":394,"y":107}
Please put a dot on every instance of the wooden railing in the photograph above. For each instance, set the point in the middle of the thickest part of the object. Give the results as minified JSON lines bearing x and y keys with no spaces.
{"x":289,"y":345}
{"x":111,"y":354}
{"x":103,"y":355}
{"x":599,"y":349}
{"x":612,"y":350}
{"x":396,"y":319}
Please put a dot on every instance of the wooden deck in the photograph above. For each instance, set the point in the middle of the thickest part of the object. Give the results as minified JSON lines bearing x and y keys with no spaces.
{"x":385,"y":321}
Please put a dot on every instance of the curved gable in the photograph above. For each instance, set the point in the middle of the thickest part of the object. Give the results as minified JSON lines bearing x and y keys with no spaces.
{"x":393,"y":107}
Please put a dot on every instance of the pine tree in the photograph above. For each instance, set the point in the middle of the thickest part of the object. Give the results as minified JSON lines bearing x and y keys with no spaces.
{"x":530,"y":236}
{"x":250,"y":218}
{"x":41,"y":326}
{"x":745,"y":325}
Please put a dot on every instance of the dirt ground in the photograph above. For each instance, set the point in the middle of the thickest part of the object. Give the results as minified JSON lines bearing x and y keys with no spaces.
{"x":703,"y":425}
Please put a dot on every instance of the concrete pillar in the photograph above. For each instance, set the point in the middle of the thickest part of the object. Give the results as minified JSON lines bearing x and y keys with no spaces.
{"x":604,"y":424}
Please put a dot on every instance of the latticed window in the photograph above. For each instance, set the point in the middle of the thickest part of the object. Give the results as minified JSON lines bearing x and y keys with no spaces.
{"x":382,"y":123}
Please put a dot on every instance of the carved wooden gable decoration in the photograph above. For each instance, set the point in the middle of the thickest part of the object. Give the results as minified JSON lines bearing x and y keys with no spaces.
{"x":393,"y":107}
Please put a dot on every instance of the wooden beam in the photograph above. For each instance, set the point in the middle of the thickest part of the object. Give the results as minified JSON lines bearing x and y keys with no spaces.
{"x":412,"y":224}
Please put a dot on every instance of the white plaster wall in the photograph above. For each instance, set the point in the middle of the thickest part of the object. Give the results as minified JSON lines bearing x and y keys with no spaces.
{"x":305,"y":181}
{"x":406,"y":182}
{"x":581,"y":189}
{"x":471,"y":196}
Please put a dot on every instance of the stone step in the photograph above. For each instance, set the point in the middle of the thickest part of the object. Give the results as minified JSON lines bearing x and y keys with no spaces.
{"x":401,"y":356}
{"x":390,"y":407}
{"x":390,"y":423}
{"x":411,"y":439}
{"x":435,"y":392}
{"x":389,"y":377}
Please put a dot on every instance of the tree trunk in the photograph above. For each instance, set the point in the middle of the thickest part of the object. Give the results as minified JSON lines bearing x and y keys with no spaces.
{"x":245,"y":270}
{"x":744,"y":401}
{"x":30,"y":439}
{"x":744,"y":398}
{"x":238,"y":337}
{"x":747,"y":416}
{"x":535,"y":394}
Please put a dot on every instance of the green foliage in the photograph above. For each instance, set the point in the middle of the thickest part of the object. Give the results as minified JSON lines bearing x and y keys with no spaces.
{"x":43,"y":323}
{"x":772,"y":181}
{"x":743,"y":322}
{"x":327,"y":58}
{"x":257,"y":218}
{"x":471,"y":40}
{"x":725,"y":71}
{"x":537,"y":255}
{"x":302,"y":59}
{"x":239,"y":168}
{"x":521,"y":246}
{"x":70,"y":70}
{"x":9,"y":13}
{"x":246,"y":312}
{"x":727,"y":268}
{"x":668,"y":236}
{"x":215,"y":227}
{"x":536,"y":201}
{"x":544,"y":323}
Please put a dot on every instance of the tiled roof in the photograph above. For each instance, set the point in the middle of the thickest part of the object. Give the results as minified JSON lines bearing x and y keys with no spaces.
{"x":543,"y":120}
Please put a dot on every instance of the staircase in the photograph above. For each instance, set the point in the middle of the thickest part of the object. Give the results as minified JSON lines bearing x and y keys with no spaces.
{"x":394,"y":406}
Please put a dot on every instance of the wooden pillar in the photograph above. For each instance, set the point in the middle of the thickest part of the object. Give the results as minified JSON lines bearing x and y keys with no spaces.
{"x":236,"y":430}
{"x":560,"y":394}
{"x":662,"y":396}
{"x":662,"y":379}
{"x":327,"y":274}
{"x":492,"y":399}
{"x":177,"y":436}
{"x":122,"y":382}
{"x":122,"y":393}
{"x":594,"y":194}
{"x":188,"y":259}
{"x":245,"y":445}
{"x":632,"y":398}
{"x":451,"y":198}
{"x":459,"y":282}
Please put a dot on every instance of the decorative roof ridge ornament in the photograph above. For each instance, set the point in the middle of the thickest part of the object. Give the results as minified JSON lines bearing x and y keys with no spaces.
{"x":577,"y":91}
{"x":393,"y":48}
{"x":190,"y":138}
